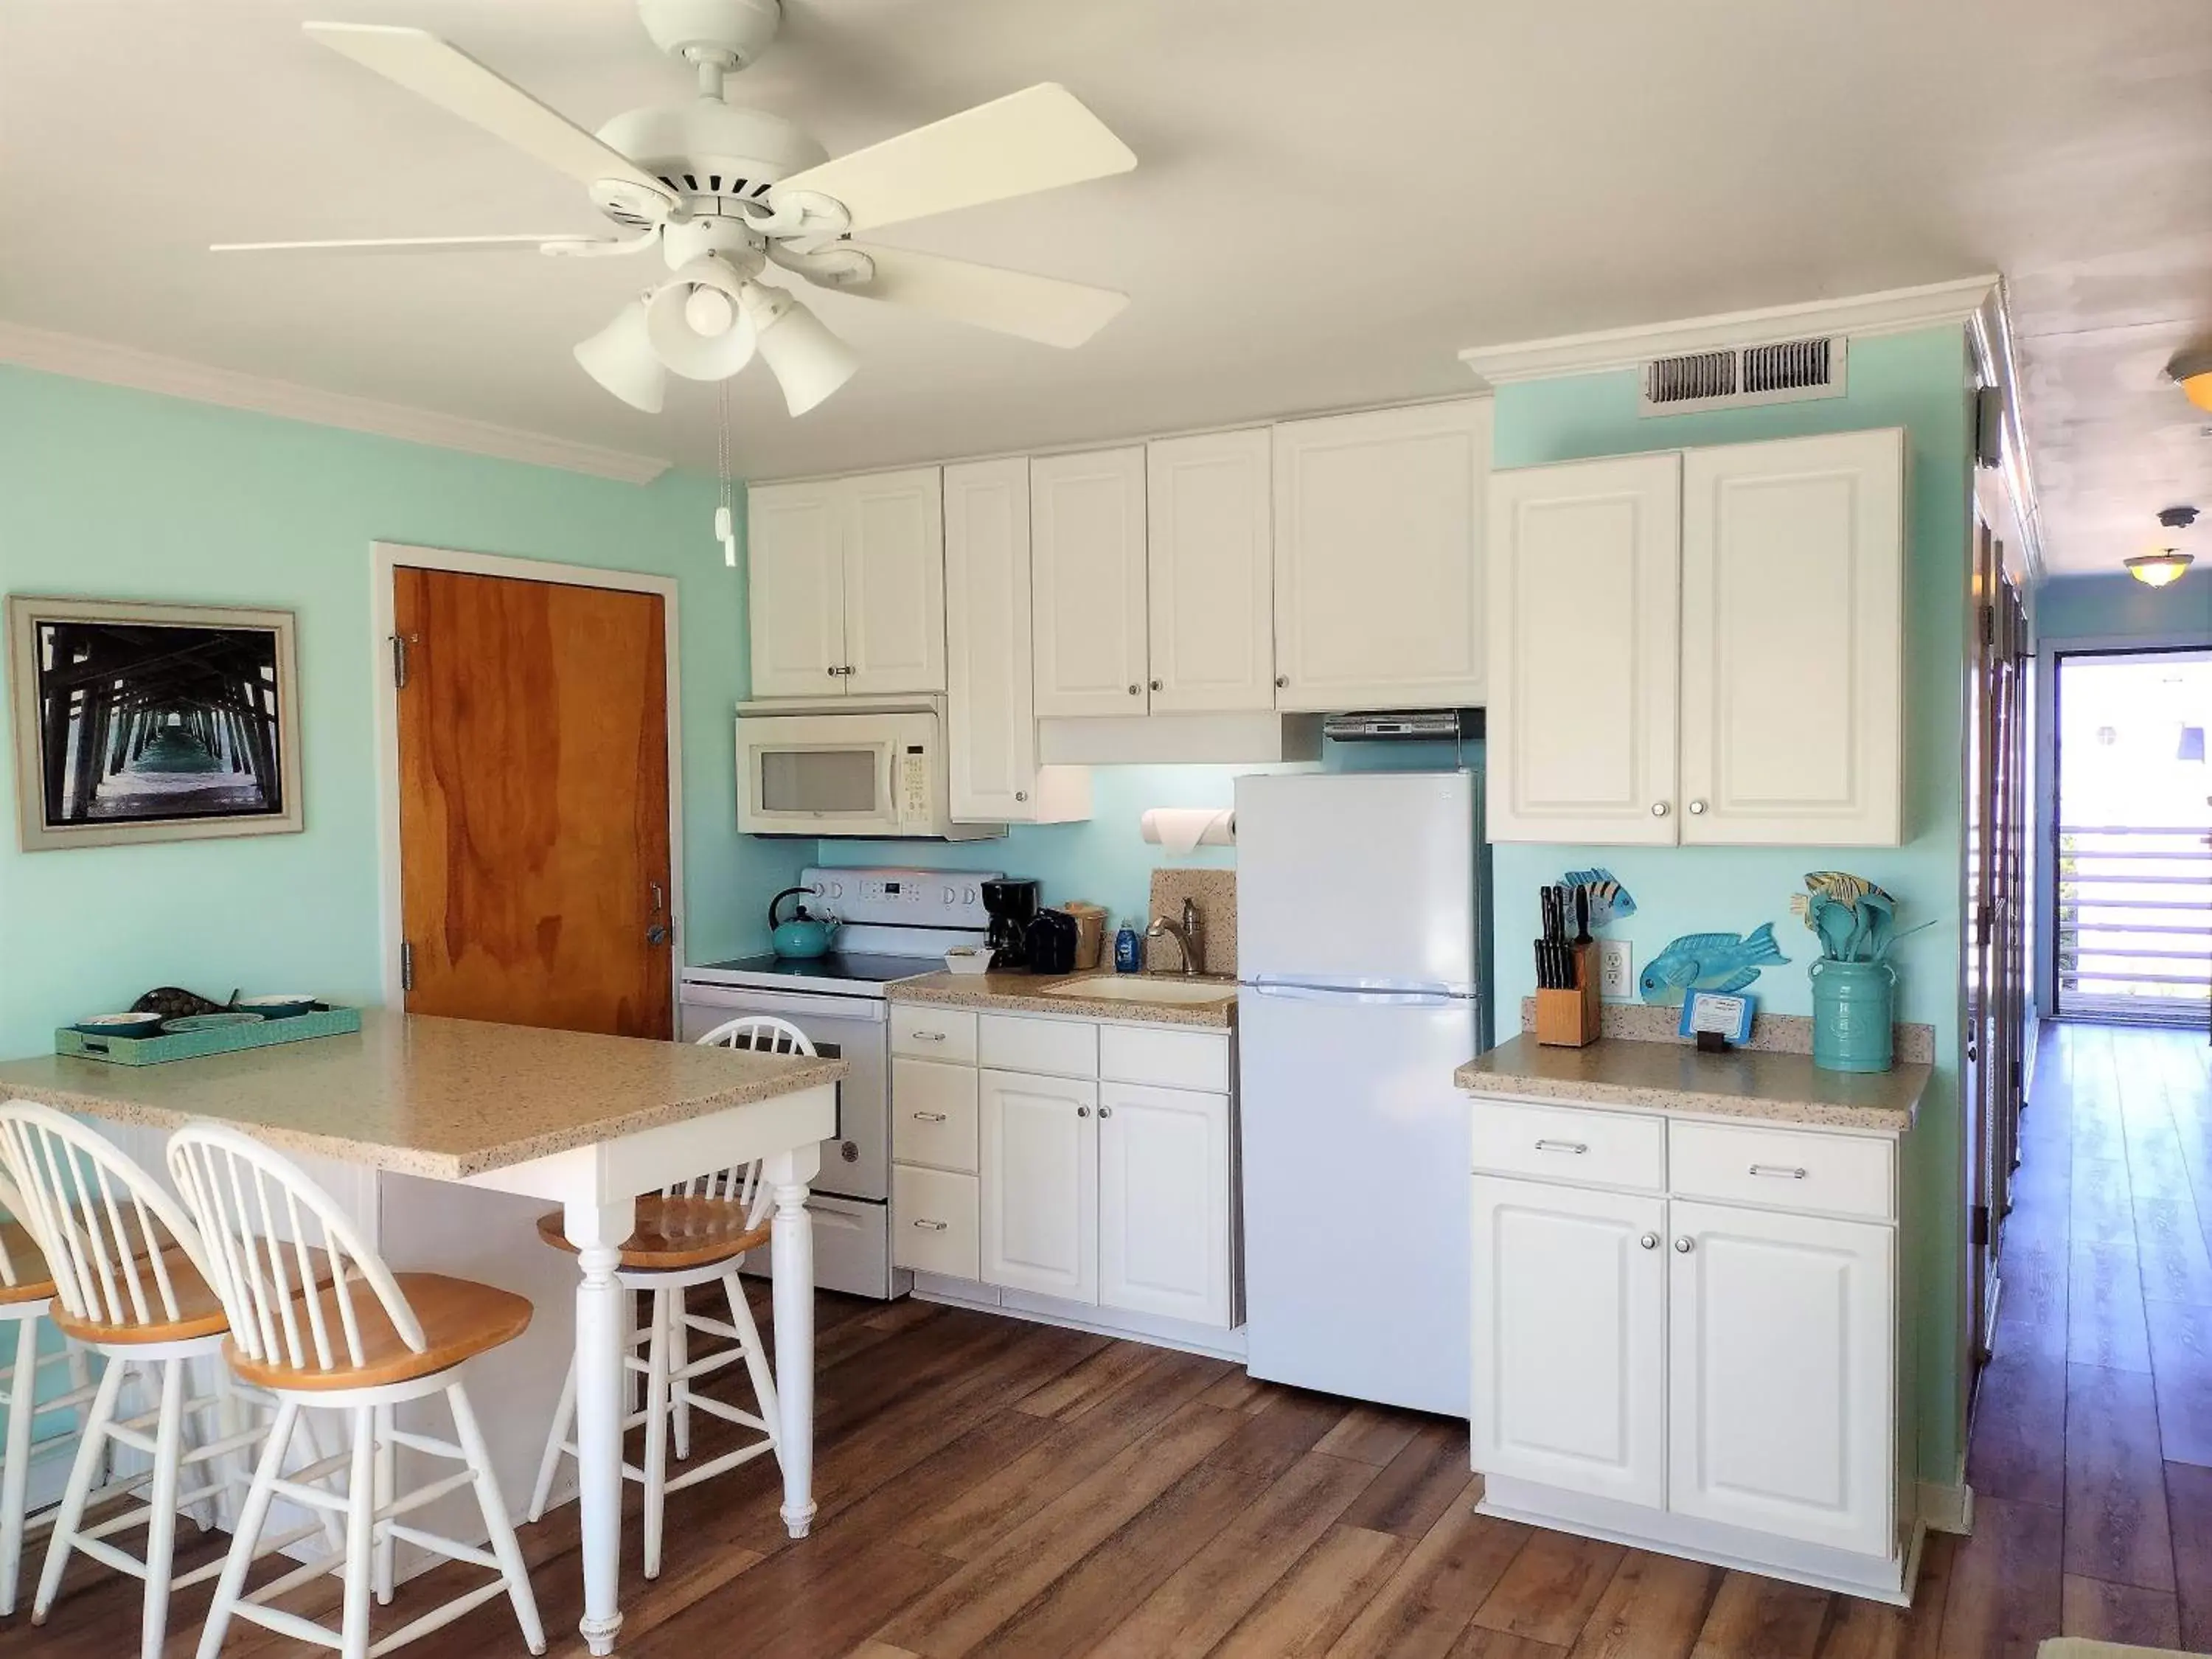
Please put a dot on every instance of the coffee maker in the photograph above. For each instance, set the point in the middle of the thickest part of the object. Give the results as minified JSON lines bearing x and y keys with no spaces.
{"x":1013,"y":902}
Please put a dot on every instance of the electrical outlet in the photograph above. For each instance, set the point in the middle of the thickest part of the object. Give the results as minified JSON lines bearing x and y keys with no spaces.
{"x":1616,"y":970}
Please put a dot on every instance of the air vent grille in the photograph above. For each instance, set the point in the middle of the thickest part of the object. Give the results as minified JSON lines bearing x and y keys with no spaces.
{"x":1784,"y":372}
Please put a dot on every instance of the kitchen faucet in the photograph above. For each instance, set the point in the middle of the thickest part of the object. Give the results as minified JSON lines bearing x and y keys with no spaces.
{"x":1190,"y":935}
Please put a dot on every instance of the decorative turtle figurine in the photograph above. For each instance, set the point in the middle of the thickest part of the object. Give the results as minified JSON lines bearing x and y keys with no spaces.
{"x":174,"y":1002}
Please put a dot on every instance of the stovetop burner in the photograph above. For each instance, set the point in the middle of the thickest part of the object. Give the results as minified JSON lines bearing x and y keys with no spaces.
{"x":838,"y":964}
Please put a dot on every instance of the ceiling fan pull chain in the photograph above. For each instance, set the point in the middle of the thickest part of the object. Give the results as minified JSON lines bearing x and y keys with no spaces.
{"x":726,"y":498}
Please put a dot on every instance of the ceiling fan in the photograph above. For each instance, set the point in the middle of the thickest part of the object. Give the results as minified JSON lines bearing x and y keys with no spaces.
{"x":723,"y":191}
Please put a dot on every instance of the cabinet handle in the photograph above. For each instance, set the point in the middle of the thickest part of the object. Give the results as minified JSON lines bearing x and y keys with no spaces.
{"x":1136,"y":690}
{"x":1575,"y":1147}
{"x":933,"y":1226}
{"x":926,"y":1037}
{"x":1682,"y":1245}
{"x":1787,"y":1171}
{"x":1697,"y":809}
{"x":1155,"y":685}
{"x":929,"y":1117}
{"x":1650,"y":1241}
{"x":1021,"y":795}
{"x":1282,"y":681}
{"x":1105,"y":1112}
{"x":1658,"y":809}
{"x":1082,"y":1111}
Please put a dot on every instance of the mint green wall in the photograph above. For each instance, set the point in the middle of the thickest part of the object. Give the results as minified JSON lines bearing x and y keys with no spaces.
{"x":111,"y":494}
{"x":1919,"y":381}
{"x":2117,"y":606}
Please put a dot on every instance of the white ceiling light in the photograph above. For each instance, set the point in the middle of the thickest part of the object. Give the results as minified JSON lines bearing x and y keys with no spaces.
{"x":809,"y":361}
{"x":695,"y":326}
{"x":621,"y":358}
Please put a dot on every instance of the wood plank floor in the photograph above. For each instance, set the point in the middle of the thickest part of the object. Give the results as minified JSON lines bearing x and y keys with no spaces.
{"x":994,"y":1488}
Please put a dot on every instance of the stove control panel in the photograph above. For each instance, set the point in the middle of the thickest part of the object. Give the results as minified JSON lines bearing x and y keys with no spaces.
{"x":895,"y":898}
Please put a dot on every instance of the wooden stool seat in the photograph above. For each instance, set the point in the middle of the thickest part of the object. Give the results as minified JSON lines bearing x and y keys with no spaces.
{"x":459,"y":1317}
{"x":199,"y":1310}
{"x":674,"y":1233}
{"x":34,"y":1281}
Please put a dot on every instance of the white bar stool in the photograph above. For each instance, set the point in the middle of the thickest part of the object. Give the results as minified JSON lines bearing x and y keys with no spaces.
{"x":131,"y":1278}
{"x":693,"y":1233}
{"x":360,"y":1340}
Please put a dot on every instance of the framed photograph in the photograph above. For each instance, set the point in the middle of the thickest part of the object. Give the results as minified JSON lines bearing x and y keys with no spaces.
{"x":151,"y":722}
{"x":1726,"y":1016}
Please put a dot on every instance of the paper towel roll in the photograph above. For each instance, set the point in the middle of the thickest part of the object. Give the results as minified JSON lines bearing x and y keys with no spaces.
{"x":1179,"y":828}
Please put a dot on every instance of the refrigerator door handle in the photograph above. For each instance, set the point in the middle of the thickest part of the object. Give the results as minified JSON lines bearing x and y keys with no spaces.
{"x":1422,"y":997}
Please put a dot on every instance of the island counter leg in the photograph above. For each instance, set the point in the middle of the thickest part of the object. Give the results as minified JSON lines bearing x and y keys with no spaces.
{"x":598,"y":1232}
{"x":792,"y":1258}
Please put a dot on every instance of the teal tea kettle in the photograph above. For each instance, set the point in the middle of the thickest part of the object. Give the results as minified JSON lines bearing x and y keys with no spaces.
{"x":804,"y":936}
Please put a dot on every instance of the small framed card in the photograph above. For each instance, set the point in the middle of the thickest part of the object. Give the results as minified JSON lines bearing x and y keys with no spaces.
{"x":1709,"y":1014}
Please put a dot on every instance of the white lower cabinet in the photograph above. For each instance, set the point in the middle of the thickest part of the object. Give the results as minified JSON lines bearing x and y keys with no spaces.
{"x":935,"y":1223}
{"x":1040,"y":1184}
{"x":1164,"y":1191}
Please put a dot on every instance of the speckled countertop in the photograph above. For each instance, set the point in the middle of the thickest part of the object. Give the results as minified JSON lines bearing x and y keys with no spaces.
{"x":1673,"y":1076}
{"x":1024,"y":993}
{"x":446,"y":1098}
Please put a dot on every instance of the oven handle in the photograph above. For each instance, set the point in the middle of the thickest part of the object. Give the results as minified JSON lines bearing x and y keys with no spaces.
{"x":793,"y":1005}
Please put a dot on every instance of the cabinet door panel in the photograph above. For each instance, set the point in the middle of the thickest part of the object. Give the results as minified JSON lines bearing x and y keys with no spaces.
{"x":1210,"y":573}
{"x":795,"y":577}
{"x":1793,"y":564}
{"x":991,"y":739}
{"x":1087,"y":553}
{"x":1163,"y":1181}
{"x":1569,"y":1354}
{"x":1782,"y":1382}
{"x":894,"y":582}
{"x":1584,"y":567}
{"x":1040,"y":1184}
{"x":1379,"y":589}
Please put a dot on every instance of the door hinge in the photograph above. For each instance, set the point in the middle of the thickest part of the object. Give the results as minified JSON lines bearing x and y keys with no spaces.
{"x":1984,"y":922}
{"x":406,"y":966}
{"x":400,"y":661}
{"x":1989,"y":624}
{"x":2017,"y":1078}
{"x":1981,"y":1224}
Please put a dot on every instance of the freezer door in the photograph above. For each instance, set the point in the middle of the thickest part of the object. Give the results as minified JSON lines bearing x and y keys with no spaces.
{"x":1358,"y":879}
{"x":1355,"y":1147}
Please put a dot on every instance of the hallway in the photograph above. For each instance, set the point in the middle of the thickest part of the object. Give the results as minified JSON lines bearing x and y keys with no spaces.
{"x":2104,"y":1348}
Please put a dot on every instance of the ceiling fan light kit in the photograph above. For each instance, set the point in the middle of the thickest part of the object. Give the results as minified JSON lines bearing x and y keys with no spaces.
{"x":2192,"y":372}
{"x":724,"y":191}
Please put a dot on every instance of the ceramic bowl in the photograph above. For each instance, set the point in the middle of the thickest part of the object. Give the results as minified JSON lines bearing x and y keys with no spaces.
{"x":211,"y":1022}
{"x":969,"y":958}
{"x":120,"y":1025}
{"x":289,"y":1005}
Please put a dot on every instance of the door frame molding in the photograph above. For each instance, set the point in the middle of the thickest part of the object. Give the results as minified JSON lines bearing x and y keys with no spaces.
{"x":386,"y":559}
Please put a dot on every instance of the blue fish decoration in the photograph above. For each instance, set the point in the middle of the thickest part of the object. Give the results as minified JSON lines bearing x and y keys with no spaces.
{"x":1609,"y":900}
{"x":1708,"y":962}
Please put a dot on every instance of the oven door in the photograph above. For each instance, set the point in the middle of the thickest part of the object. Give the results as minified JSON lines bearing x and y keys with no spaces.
{"x":856,"y":1161}
{"x":837,"y":774}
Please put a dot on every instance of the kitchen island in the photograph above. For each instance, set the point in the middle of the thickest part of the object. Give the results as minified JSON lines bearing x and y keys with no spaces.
{"x":584,"y":1122}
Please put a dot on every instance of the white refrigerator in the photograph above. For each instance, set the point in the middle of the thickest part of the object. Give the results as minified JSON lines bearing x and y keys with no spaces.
{"x":1361,"y":914}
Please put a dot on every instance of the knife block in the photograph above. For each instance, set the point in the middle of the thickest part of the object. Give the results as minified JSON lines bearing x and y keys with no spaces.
{"x":1572,"y":1019}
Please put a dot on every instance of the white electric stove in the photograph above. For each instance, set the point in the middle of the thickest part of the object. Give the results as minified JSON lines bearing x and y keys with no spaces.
{"x":898,"y":924}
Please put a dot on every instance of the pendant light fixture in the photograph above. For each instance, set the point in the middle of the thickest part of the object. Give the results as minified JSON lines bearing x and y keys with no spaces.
{"x":2192,"y":371}
{"x":2165,"y":565}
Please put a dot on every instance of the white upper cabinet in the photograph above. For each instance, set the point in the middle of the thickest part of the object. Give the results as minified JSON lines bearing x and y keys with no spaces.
{"x":894,"y":583}
{"x":1039,"y":1183}
{"x":794,"y":554}
{"x":991,"y":720}
{"x":1210,"y":561}
{"x":1781,"y":1396}
{"x":1378,"y":531}
{"x":1164,"y":1194}
{"x":1793,"y":570}
{"x":846,"y":586}
{"x":1087,"y":554}
{"x":1584,"y":563}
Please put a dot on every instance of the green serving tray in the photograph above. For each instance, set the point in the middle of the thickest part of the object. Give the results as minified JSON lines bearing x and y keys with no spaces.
{"x":320,"y":1022}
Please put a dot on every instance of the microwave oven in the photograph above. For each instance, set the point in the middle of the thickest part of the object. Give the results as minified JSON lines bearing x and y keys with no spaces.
{"x":827,"y":767}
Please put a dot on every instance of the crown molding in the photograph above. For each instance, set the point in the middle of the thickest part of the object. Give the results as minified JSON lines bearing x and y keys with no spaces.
{"x":1895,"y":310}
{"x":111,"y":364}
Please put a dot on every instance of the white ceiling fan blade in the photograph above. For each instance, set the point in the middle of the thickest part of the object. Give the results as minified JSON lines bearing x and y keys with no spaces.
{"x":1041,"y":308}
{"x":1032,"y":140}
{"x":413,"y":245}
{"x":450,"y":78}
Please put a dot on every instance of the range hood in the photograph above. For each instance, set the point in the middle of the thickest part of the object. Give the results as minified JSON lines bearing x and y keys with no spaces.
{"x":1404,"y":725}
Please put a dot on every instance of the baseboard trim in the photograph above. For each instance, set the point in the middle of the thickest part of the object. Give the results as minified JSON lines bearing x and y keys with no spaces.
{"x":1948,"y":1508}
{"x":1080,"y":1316}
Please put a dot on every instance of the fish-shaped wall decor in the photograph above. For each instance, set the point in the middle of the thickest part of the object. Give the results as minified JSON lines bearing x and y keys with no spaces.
{"x":1709,"y":962}
{"x":1609,"y":900}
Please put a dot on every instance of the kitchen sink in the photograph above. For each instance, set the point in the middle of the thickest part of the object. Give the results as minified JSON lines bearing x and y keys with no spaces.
{"x":1124,"y":987}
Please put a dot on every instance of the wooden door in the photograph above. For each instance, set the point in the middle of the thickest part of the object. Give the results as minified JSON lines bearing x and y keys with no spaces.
{"x":990,"y":718}
{"x":1210,"y":573}
{"x":1793,"y":579}
{"x":894,"y":583}
{"x":795,"y":585}
{"x":1585,"y":595}
{"x":1039,"y":1183}
{"x":1379,"y":590}
{"x":1570,"y":1338}
{"x":533,"y":803}
{"x":1164,"y":1191}
{"x":1781,"y":1379}
{"x":1087,"y":558}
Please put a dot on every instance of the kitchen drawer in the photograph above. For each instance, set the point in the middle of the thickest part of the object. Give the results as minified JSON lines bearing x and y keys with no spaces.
{"x":1165,"y":1058}
{"x":1569,"y":1143}
{"x":947,"y":1034}
{"x":1054,"y":1048}
{"x":1788,"y":1168}
{"x":933,"y":1114}
{"x":936,"y":1222}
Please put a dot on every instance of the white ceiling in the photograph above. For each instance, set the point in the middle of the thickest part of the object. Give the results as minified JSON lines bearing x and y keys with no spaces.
{"x":1330,"y":202}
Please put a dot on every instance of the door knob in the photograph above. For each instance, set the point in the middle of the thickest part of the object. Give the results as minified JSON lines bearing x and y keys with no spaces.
{"x":1697,"y":809}
{"x":656,"y":935}
{"x":1682,"y":1245}
{"x":1650,"y":1241}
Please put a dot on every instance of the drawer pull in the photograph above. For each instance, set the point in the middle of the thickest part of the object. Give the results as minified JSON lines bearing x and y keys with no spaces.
{"x":1577,"y":1147}
{"x":927,"y":1037}
{"x":933,"y":1226}
{"x":1787,"y":1171}
{"x":929,"y":1117}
